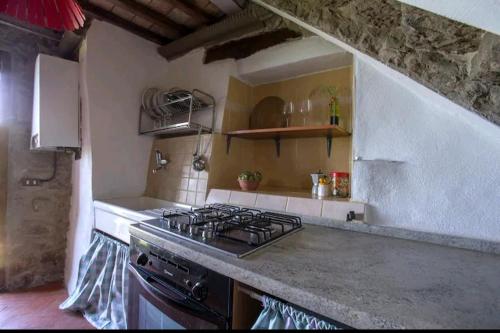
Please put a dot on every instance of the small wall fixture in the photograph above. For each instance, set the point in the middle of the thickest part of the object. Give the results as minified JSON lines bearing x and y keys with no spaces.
{"x":161,"y":162}
{"x":360,"y":159}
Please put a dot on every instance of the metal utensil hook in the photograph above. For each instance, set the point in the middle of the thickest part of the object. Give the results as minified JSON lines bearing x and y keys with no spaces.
{"x":199,"y":163}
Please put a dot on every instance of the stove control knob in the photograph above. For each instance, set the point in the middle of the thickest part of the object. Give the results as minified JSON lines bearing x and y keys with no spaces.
{"x":142,"y":259}
{"x":199,"y":291}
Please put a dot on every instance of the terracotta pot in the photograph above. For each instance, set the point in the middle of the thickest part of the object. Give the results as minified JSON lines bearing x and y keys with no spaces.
{"x":248,"y":185}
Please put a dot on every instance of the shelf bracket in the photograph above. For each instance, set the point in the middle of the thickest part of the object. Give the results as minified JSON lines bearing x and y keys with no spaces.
{"x":277,"y":141}
{"x":329,"y":145}
{"x":228,"y":143}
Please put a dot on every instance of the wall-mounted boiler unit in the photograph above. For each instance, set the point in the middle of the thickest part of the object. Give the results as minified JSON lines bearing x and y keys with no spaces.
{"x":55,"y":104}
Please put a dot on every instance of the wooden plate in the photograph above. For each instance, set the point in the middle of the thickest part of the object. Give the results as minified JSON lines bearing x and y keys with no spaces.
{"x":267,"y":113}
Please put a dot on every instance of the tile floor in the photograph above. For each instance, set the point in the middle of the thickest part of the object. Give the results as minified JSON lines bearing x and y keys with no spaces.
{"x":38,"y":309}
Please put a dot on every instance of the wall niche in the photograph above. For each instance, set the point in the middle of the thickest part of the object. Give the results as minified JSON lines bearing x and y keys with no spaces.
{"x":261,"y":106}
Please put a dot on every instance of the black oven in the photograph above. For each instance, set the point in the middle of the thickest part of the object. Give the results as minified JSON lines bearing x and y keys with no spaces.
{"x":170,"y":292}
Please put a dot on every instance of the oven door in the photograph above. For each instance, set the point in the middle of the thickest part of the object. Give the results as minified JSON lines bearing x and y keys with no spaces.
{"x":156,"y":305}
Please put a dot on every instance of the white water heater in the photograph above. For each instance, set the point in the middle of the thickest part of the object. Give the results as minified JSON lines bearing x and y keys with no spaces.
{"x":55,"y":104}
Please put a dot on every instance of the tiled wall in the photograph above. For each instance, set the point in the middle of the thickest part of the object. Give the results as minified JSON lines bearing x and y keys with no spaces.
{"x":328,"y":209}
{"x":179,"y":182}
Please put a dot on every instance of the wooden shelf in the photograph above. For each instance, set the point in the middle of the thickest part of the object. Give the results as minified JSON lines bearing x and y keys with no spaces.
{"x":327,"y":131}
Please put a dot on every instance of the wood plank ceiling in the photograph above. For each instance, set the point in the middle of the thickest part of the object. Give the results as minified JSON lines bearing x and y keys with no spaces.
{"x":160,"y":21}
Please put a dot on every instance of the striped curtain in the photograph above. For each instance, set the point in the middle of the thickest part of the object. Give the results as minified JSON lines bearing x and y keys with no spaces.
{"x":280,"y":316}
{"x":102,"y":287}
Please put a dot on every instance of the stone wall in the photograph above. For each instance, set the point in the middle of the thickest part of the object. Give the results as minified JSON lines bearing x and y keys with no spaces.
{"x":458,"y":61}
{"x":36,"y":220}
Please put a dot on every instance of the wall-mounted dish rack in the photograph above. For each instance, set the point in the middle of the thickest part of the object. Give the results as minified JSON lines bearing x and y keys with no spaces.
{"x":177,"y":113}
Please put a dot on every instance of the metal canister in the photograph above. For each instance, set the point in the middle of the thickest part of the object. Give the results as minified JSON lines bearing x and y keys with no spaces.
{"x":340,"y":184}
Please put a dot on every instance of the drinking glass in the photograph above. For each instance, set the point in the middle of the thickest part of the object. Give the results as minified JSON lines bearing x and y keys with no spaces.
{"x":305,"y":110}
{"x":288,"y":110}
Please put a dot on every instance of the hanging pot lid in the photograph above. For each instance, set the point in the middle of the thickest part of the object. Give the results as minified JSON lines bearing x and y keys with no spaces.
{"x":52,"y":14}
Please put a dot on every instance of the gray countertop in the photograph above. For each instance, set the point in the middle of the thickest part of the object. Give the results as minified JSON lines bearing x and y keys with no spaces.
{"x":363,"y":280}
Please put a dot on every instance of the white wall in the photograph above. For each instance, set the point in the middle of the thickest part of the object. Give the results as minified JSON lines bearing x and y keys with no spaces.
{"x":120,"y":66}
{"x":116,"y":66}
{"x":449,"y":181}
{"x":82,"y":209}
{"x":291,"y":59}
{"x":189,"y":72}
{"x":483,"y":14}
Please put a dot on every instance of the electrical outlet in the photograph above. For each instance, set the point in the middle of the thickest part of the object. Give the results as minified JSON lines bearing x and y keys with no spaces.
{"x":31,"y":182}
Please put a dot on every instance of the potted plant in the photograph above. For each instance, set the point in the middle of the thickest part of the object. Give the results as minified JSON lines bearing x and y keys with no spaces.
{"x":249,"y":181}
{"x":333,"y":104}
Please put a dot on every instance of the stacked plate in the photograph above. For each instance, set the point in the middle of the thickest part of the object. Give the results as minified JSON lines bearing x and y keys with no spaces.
{"x":164,"y":105}
{"x":152,"y":102}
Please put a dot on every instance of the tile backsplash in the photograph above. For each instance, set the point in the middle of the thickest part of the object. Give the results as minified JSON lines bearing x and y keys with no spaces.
{"x":322,"y":208}
{"x":303,"y":206}
{"x":179,"y":181}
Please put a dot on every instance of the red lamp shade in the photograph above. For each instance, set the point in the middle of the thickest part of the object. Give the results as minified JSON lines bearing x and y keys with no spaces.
{"x":53,"y":14}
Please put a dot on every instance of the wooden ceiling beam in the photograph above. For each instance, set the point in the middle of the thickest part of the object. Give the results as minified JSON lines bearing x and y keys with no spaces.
{"x":194,"y":12}
{"x":104,"y":15}
{"x":245,"y":47}
{"x":174,"y":29}
{"x":229,"y":7}
{"x":30,"y":28}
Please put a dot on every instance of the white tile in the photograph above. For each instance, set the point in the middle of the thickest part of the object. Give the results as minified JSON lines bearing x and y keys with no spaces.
{"x":200,"y":198}
{"x":191,"y":198}
{"x":193,"y":183}
{"x":202,"y":185}
{"x":183,"y":184}
{"x":186,"y":170}
{"x":243,"y":198}
{"x":338,"y":210}
{"x":273,"y":202}
{"x":303,"y":206}
{"x":218,"y":196}
{"x":181,"y":196}
{"x":194,"y":174}
{"x":203,"y":174}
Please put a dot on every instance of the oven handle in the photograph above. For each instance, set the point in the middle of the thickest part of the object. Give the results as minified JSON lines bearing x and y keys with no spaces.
{"x":172,"y":295}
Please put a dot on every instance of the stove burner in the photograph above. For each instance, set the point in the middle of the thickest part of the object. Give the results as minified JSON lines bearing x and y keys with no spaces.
{"x":222,"y":225}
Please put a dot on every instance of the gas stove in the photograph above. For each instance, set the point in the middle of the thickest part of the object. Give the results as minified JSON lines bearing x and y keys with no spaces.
{"x":231,"y":229}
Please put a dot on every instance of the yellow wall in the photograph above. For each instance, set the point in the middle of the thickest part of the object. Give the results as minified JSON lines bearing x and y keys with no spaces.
{"x":298,"y":89}
{"x":225,"y":168}
{"x":299,"y":157}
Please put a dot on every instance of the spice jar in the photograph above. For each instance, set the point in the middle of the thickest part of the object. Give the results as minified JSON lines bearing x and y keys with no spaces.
{"x":340,"y":184}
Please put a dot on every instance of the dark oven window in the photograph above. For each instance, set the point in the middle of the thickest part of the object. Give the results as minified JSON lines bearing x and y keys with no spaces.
{"x":155,"y":305}
{"x":151,"y":318}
